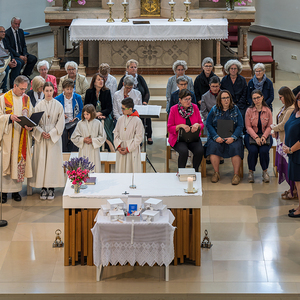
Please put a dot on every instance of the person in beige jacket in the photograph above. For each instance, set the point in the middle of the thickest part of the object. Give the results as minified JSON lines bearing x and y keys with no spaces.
{"x":81,"y":83}
{"x":281,"y":161}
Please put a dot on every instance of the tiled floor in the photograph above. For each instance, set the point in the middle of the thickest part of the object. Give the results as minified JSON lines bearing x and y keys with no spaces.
{"x":256,"y":246}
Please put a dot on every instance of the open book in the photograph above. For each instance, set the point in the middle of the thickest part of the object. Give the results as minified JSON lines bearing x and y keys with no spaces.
{"x":33,"y":121}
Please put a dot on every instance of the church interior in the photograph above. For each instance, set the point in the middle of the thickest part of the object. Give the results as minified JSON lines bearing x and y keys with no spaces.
{"x":255,"y":251}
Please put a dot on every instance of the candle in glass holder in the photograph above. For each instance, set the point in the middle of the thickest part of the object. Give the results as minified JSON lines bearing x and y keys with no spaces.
{"x":190,"y":185}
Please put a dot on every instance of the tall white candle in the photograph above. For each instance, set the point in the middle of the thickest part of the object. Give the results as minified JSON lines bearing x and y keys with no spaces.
{"x":125,"y":1}
{"x":110,"y":1}
{"x":190,"y":184}
{"x":172,"y":1}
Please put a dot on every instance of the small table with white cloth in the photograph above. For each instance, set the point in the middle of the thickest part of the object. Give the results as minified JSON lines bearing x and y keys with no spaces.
{"x":80,"y":211}
{"x":133,"y":242}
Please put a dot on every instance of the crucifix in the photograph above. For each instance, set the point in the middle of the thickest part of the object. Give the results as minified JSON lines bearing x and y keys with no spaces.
{"x":125,"y":193}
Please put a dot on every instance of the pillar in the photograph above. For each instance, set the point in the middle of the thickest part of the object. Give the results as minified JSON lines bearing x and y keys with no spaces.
{"x":81,"y":67}
{"x":245,"y":59}
{"x":55,"y":61}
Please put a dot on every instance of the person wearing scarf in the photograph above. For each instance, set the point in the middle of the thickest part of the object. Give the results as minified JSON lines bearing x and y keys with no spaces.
{"x":185,"y":115}
{"x":262,"y":83}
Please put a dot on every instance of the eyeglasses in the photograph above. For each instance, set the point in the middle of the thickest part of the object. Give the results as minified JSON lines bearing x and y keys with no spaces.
{"x":257,"y":98}
{"x":23,"y":90}
{"x":258,"y":71}
{"x":71,"y":70}
{"x":181,"y":84}
{"x":2,"y":30}
{"x":225,"y":98}
{"x":125,"y":108}
{"x":187,"y":99}
{"x":209,"y":66}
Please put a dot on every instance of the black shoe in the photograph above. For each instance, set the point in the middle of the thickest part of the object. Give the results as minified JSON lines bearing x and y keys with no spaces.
{"x":16,"y":197}
{"x":149,"y":142}
{"x":4,"y":197}
{"x":4,"y":90}
{"x":292,"y":215}
{"x":221,"y":161}
{"x":292,"y":210}
{"x":208,"y":162}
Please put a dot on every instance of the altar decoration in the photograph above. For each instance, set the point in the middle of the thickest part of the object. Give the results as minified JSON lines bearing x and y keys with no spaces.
{"x":230,"y":3}
{"x":67,"y":3}
{"x":78,"y":170}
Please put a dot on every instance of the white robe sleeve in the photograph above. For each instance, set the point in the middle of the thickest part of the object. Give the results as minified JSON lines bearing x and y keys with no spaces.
{"x":138,"y":136}
{"x":4,"y":118}
{"x":77,"y":136}
{"x":115,"y":106}
{"x":98,"y":141}
{"x":57,"y":130}
{"x":117,"y":138}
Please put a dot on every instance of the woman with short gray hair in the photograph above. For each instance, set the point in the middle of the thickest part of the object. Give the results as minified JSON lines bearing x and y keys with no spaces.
{"x":179,"y":67}
{"x":236,"y":84}
{"x":43,"y":68}
{"x":201,"y":83}
{"x":81,"y":84}
{"x":126,"y":91}
{"x":262,"y":83}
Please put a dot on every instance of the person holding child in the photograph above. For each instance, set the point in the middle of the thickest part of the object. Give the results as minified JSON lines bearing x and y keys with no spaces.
{"x":47,"y":157}
{"x":128,"y":135}
{"x":89,"y":135}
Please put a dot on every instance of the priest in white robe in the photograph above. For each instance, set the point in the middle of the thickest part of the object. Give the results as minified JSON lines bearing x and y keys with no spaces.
{"x":128,"y":135}
{"x":89,"y":135}
{"x":47,"y":156}
{"x":16,"y":139}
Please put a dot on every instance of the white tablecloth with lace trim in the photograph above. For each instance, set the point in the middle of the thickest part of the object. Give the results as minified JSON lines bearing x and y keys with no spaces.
{"x":157,"y":30}
{"x":152,"y":242}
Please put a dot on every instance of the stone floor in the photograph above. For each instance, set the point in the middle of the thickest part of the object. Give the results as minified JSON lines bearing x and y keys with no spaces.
{"x":256,"y":246}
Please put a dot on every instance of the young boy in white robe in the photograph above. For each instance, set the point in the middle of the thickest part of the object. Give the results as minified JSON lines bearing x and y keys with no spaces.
{"x":89,"y":135}
{"x":47,"y":157}
{"x":128,"y":135}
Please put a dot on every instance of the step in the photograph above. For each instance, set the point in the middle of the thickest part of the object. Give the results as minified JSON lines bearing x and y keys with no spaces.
{"x":158,"y":100}
{"x":157,"y":91}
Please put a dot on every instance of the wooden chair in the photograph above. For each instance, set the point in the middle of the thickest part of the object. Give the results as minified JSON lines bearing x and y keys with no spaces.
{"x":262,"y":44}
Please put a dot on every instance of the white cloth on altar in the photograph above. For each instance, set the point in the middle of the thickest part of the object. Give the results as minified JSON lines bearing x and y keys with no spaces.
{"x":119,"y":97}
{"x":11,"y":146}
{"x":157,"y":30}
{"x":95,"y":130}
{"x":129,"y":133}
{"x":47,"y":156}
{"x":152,"y":242}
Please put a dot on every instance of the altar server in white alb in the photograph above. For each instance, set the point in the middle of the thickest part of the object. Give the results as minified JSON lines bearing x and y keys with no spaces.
{"x":128,"y":135}
{"x":89,"y":135}
{"x":47,"y":157}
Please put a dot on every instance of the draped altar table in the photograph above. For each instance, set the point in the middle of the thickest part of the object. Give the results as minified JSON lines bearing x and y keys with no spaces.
{"x":81,"y":209}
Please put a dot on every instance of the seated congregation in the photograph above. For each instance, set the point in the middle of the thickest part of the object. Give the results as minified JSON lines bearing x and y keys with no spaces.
{"x":84,"y":117}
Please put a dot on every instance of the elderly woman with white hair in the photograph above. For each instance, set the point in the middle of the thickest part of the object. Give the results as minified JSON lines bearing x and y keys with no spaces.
{"x":262,"y":83}
{"x":36,"y":94}
{"x":179,"y":68}
{"x":43,"y":68}
{"x":81,"y":84}
{"x":127,"y":91}
{"x":201,"y":83}
{"x":236,"y":84}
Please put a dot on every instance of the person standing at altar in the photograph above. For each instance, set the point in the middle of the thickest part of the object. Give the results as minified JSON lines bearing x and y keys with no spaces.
{"x":16,"y":139}
{"x":110,"y":81}
{"x":140,"y":85}
{"x":17,"y":46}
{"x":126,"y":91}
{"x":89,"y":135}
{"x":47,"y":157}
{"x":128,"y":134}
{"x":179,"y":68}
{"x":80,"y":81}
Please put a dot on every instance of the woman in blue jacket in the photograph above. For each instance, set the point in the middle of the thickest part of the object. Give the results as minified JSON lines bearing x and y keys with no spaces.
{"x":72,"y":104}
{"x":262,"y":83}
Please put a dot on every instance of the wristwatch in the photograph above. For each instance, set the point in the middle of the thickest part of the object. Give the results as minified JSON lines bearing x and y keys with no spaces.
{"x":290,"y":151}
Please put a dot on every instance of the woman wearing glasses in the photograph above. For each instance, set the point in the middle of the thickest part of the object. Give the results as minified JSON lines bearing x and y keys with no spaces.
{"x":258,"y":121}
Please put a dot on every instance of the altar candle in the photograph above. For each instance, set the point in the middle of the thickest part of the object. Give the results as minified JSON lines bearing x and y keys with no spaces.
{"x":172,"y":1}
{"x":190,"y":184}
{"x":125,"y":1}
{"x":110,"y":1}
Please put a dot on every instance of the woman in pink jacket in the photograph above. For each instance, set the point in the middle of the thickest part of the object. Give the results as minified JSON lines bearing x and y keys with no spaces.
{"x":185,"y":115}
{"x":257,"y":140}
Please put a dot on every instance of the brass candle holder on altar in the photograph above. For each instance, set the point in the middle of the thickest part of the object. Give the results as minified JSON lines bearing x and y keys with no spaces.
{"x":110,"y":5}
{"x":187,"y":6}
{"x":125,"y":20}
{"x":172,"y":4}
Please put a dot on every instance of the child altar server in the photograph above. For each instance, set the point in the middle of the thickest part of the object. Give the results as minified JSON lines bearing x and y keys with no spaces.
{"x":128,"y":135}
{"x":47,"y":157}
{"x":89,"y":135}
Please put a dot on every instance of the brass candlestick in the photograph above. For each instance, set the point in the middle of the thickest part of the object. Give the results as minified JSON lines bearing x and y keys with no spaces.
{"x":110,"y":19}
{"x":125,"y":20}
{"x":172,"y":4}
{"x":187,"y":6}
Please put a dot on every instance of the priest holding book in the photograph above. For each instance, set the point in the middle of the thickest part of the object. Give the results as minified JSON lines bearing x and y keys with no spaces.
{"x":16,"y":139}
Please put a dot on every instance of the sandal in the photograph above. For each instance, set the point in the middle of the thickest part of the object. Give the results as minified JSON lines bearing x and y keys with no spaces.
{"x":284,"y":193}
{"x":288,"y":197}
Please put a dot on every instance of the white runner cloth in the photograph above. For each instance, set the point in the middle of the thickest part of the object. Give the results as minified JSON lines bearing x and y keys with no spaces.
{"x":152,"y":242}
{"x":157,"y":30}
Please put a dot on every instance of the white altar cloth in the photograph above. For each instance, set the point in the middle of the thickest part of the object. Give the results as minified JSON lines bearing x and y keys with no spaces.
{"x":151,"y":243}
{"x":157,"y":30}
{"x":165,"y":186}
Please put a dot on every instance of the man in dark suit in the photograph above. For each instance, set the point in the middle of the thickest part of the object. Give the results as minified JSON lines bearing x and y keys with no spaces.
{"x":14,"y":65}
{"x":17,"y":46}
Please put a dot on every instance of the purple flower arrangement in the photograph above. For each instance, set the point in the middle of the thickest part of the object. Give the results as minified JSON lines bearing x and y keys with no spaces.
{"x":240,"y":2}
{"x":81,"y":2}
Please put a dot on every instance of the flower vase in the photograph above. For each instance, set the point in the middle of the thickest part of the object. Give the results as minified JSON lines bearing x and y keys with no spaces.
{"x":66,"y":5}
{"x":76,"y":188}
{"x":230,"y":4}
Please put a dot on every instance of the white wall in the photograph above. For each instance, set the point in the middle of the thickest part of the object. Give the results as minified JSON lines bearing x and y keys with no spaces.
{"x":30,"y":11}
